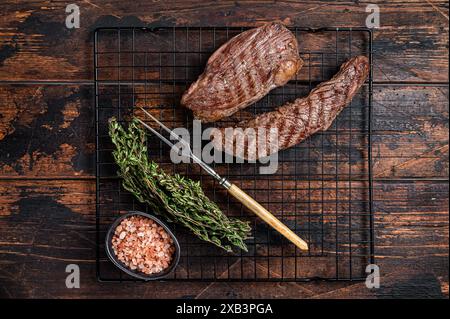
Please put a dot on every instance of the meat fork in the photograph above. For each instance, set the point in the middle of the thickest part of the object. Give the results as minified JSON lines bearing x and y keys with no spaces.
{"x":234,"y":190}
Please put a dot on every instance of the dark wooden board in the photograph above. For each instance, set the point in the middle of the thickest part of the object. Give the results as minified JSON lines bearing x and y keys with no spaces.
{"x":412,"y":44}
{"x":410,"y":132}
{"x":47,"y":185}
{"x":49,"y":224}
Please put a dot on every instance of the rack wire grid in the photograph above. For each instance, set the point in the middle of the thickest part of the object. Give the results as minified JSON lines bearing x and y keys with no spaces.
{"x":322,"y":188}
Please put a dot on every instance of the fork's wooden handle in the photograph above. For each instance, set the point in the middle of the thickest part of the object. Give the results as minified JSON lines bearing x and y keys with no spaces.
{"x":263,"y":213}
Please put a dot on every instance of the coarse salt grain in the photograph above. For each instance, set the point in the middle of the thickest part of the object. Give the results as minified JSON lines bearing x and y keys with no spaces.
{"x":149,"y":250}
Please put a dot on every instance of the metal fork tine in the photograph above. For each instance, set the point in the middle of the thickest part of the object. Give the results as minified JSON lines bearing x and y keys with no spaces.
{"x":165,"y":140}
{"x":179,"y":139}
{"x":175,"y":136}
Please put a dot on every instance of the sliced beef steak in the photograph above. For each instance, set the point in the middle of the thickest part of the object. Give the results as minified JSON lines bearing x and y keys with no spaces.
{"x":242,"y":71}
{"x":297,"y":120}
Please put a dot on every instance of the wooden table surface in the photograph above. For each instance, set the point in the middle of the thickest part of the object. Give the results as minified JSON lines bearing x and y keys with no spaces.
{"x":47,"y":181}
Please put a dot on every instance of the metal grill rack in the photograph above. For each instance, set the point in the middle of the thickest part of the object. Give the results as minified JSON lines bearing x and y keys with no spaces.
{"x":322,"y":188}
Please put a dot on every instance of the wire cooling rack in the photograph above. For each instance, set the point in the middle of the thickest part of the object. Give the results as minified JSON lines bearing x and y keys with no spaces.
{"x":322,"y":188}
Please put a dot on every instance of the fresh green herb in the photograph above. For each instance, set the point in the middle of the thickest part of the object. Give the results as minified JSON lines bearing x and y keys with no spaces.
{"x":178,"y":199}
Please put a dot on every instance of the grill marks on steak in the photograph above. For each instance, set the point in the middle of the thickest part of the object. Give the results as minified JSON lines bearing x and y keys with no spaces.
{"x":242,"y":71}
{"x":305,"y":116}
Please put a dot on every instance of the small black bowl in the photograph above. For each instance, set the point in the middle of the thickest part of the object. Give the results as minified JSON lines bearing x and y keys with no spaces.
{"x":136,"y":273}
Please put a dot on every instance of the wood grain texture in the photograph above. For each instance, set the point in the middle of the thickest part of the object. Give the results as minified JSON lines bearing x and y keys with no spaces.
{"x":49,"y":224}
{"x":47,"y":186}
{"x":410,"y":133}
{"x":411,"y":45}
{"x":46,"y":131}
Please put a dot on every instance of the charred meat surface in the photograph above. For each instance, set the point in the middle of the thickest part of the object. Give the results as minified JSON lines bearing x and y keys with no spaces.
{"x":242,"y":71}
{"x":298,"y":120}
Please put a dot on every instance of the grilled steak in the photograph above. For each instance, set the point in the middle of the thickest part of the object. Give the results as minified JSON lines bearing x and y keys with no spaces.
{"x":242,"y":71}
{"x":298,"y":120}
